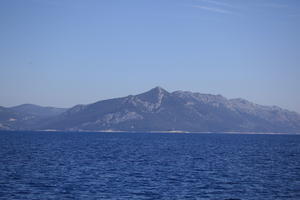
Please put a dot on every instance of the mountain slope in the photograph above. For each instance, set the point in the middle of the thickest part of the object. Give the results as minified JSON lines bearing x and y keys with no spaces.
{"x":26,"y":116}
{"x":11,"y":120}
{"x":36,"y":110}
{"x":159,"y":110}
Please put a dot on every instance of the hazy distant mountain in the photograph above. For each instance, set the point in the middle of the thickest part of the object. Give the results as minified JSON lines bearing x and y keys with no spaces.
{"x":159,"y":110}
{"x":36,"y":110}
{"x":11,"y":120}
{"x":26,"y":116}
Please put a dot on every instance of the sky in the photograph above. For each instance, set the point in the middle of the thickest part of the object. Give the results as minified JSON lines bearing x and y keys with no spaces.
{"x":67,"y":52}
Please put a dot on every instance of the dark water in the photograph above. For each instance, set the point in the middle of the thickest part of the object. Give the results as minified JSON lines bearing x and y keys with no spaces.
{"x":148,"y":166}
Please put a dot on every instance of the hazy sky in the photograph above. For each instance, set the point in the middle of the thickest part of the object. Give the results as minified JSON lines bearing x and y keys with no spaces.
{"x":66,"y":52}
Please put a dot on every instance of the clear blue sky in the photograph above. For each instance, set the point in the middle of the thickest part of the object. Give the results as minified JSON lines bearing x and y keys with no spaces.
{"x":65,"y":52}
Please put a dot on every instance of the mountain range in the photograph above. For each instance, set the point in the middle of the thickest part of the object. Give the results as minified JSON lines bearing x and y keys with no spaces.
{"x":155,"y":110}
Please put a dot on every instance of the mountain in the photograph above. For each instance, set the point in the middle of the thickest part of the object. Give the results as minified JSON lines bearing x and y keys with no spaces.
{"x":11,"y":120}
{"x":160,"y":110}
{"x":155,"y":110}
{"x":36,"y":110}
{"x":26,"y":116}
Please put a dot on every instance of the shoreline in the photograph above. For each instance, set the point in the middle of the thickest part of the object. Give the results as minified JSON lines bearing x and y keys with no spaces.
{"x":175,"y":131}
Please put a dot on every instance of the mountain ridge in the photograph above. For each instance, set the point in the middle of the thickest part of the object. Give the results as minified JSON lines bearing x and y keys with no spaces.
{"x":38,"y":110}
{"x":160,"y":110}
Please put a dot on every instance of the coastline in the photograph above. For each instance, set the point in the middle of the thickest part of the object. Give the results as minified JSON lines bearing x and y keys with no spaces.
{"x":171,"y":132}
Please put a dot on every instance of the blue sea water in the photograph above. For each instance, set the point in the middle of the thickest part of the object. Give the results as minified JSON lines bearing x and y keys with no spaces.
{"x":53,"y":165}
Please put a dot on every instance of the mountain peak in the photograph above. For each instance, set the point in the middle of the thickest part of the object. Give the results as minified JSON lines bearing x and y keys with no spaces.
{"x":159,"y":89}
{"x":154,"y":95}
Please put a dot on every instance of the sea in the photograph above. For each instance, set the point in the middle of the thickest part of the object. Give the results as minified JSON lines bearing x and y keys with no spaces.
{"x":73,"y":165}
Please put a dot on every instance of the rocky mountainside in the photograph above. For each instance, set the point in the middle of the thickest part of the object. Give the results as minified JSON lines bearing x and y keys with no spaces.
{"x":160,"y":110}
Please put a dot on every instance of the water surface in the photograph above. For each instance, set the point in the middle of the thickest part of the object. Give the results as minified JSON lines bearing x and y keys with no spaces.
{"x":52,"y":165}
